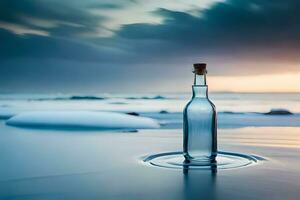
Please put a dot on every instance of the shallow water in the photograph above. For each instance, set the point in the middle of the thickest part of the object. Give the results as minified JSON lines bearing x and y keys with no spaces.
{"x":48,"y":164}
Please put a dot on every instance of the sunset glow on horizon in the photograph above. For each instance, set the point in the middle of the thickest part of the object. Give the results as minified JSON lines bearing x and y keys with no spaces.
{"x":256,"y":83}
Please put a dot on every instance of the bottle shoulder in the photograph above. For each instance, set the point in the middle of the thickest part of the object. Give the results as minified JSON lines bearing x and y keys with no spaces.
{"x":200,"y":104}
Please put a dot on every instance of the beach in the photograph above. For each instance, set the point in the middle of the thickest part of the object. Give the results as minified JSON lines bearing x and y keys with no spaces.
{"x":58,"y":163}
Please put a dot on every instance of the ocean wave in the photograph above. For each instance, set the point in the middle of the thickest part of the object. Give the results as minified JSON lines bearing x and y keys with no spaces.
{"x":230,"y":112}
{"x":118,"y":103}
{"x":81,"y":120}
{"x":91,"y":97}
{"x":228,"y":119}
{"x":147,"y":98}
{"x":76,"y":97}
{"x":273,"y":111}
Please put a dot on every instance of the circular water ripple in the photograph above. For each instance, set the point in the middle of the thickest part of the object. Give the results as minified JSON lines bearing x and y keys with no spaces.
{"x":225,"y":160}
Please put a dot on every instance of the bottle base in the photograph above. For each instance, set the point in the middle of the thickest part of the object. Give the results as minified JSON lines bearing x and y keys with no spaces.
{"x":203,"y":160}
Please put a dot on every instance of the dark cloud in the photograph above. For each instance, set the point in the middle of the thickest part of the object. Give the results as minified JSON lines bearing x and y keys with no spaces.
{"x":235,"y":37}
{"x":64,"y":41}
{"x":12,"y":10}
{"x":245,"y":28}
{"x":40,"y":47}
{"x":71,"y":19}
{"x":242,"y":25}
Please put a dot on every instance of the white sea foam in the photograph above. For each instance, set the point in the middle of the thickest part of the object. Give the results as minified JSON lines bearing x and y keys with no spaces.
{"x":6,"y":113}
{"x":81,"y":120}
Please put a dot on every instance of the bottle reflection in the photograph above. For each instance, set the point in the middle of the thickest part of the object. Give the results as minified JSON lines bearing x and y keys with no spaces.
{"x":199,"y":184}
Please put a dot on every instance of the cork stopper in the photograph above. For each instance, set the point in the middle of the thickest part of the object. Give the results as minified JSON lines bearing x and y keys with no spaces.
{"x":200,"y":68}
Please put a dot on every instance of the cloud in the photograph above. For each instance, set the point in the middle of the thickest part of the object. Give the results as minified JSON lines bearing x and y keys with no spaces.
{"x":49,"y":17}
{"x":24,"y":25}
{"x":40,"y":47}
{"x":103,"y":6}
{"x":147,"y":41}
{"x":22,"y":30}
{"x":232,"y":24}
{"x":232,"y":35}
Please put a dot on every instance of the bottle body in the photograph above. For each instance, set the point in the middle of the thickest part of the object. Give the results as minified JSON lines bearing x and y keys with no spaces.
{"x":200,"y":126}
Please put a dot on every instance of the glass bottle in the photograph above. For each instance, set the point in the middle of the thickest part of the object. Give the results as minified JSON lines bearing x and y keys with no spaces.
{"x":200,"y":122}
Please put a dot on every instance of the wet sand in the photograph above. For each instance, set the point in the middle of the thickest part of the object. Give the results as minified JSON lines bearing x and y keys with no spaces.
{"x":48,"y":164}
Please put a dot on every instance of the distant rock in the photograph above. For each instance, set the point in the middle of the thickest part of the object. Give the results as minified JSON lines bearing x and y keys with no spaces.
{"x":86,"y":98}
{"x":158,"y":97}
{"x":131,"y":131}
{"x":163,"y":112}
{"x":133,"y":113}
{"x":279,"y":112}
{"x":147,"y":98}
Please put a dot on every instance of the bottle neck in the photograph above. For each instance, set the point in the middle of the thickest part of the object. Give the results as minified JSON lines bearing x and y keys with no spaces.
{"x":200,"y":88}
{"x":200,"y":79}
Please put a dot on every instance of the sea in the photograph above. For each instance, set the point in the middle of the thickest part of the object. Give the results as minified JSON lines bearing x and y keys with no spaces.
{"x":41,"y":162}
{"x":234,"y":109}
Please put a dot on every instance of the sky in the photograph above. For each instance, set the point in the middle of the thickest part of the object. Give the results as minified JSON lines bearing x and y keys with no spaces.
{"x":131,"y":46}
